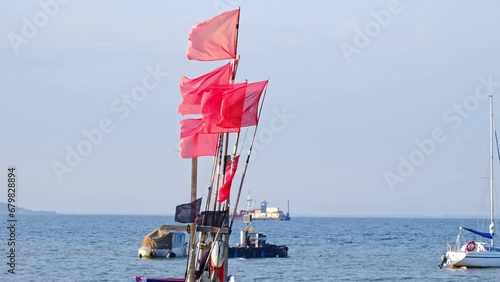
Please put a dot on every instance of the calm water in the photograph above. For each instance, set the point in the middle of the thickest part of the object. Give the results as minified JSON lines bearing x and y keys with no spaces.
{"x":104,"y":248}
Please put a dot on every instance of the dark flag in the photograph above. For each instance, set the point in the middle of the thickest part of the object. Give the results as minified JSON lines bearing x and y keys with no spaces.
{"x":188,"y":213}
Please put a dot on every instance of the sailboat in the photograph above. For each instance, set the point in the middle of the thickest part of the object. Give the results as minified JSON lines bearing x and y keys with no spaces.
{"x":225,"y":108}
{"x":472,"y":253}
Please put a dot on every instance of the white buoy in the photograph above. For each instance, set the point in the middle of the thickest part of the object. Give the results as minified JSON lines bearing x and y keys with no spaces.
{"x":217,"y":254}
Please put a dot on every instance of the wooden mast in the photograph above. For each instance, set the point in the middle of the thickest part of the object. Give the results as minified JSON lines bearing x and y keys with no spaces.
{"x":192,"y":226}
{"x":226,"y":206}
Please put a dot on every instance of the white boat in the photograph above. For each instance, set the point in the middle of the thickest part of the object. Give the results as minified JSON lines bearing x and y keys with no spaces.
{"x":163,"y":243}
{"x":472,"y":253}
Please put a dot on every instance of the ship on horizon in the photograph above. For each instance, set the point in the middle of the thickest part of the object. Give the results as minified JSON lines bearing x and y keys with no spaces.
{"x":264,"y":212}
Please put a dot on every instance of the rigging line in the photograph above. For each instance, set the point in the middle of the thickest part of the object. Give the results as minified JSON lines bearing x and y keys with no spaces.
{"x":217,"y":236}
{"x":492,"y":202}
{"x":248,"y":158}
{"x":226,"y":212}
{"x":482,"y":211}
{"x":224,"y":165}
{"x":212,"y":175}
{"x":217,"y":183}
{"x":204,"y":236}
{"x":244,"y":138}
{"x":235,"y":149}
{"x":224,"y":141}
{"x":471,"y":209}
{"x":237,"y":138}
{"x":498,"y":150}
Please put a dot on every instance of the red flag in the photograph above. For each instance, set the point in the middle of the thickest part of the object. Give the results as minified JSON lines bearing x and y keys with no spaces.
{"x":211,"y":106}
{"x":194,"y":143}
{"x":214,"y":39}
{"x":192,"y":89}
{"x":241,"y":109}
{"x":225,"y":189}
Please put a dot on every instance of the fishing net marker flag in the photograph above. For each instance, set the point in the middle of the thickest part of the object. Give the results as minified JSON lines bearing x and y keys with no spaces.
{"x":193,"y":142}
{"x":214,"y":39}
{"x":188,"y":213}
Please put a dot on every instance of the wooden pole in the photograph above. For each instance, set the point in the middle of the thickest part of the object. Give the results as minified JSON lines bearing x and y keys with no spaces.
{"x":192,"y":226}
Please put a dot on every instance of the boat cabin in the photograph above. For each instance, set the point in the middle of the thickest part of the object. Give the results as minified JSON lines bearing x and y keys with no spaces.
{"x":252,"y":239}
{"x":254,"y":245}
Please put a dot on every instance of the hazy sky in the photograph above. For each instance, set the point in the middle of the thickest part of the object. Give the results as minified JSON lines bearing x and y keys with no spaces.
{"x":373,"y":107}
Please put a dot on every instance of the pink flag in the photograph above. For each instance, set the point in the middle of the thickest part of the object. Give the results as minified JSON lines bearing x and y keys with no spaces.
{"x":214,"y":39}
{"x":240,"y":109}
{"x":192,"y":89}
{"x":211,"y":103}
{"x":225,"y":189}
{"x":194,"y":143}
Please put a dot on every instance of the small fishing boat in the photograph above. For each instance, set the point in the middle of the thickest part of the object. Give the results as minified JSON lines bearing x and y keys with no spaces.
{"x":163,"y":243}
{"x":253,"y":244}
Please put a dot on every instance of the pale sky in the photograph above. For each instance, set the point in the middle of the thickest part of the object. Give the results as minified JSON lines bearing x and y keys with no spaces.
{"x":356,"y":89}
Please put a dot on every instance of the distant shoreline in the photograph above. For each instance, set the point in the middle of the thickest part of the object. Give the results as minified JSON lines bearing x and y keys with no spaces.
{"x":297,"y":216}
{"x":20,"y":210}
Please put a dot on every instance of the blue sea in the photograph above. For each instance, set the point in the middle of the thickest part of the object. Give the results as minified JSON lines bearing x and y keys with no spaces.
{"x":104,"y":248}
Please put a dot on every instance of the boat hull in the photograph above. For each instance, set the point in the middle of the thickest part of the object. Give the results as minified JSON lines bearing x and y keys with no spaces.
{"x":268,"y":251}
{"x":146,"y":279}
{"x":162,"y":253}
{"x":473,"y":259}
{"x":230,"y":278}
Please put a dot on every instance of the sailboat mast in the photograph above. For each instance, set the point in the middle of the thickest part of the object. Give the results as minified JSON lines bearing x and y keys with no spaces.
{"x":492,"y":206}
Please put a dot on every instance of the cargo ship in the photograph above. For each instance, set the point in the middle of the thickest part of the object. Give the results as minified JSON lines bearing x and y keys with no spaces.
{"x":264,"y":212}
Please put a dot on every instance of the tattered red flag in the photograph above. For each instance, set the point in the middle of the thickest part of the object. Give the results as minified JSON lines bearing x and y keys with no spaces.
{"x":225,"y":189}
